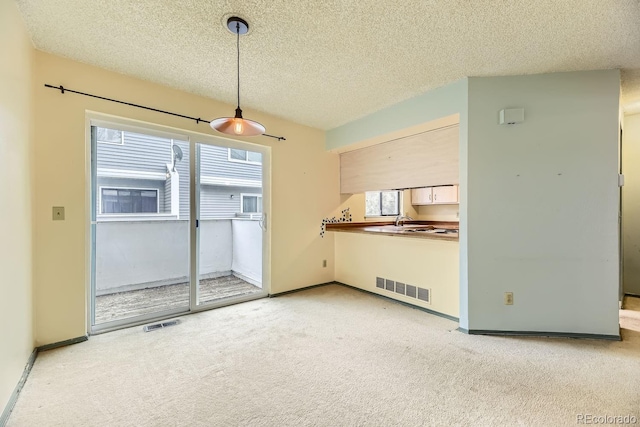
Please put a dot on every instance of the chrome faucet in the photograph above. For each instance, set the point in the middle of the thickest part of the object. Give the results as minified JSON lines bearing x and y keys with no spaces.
{"x":400,"y":219}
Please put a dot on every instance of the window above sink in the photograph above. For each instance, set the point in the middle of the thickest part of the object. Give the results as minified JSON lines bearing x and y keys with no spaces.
{"x":383,"y":203}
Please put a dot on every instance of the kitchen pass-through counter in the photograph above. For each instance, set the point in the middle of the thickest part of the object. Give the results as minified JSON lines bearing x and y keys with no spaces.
{"x":441,"y":230}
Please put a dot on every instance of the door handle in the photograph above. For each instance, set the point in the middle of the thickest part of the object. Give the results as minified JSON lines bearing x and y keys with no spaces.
{"x":263,"y":222}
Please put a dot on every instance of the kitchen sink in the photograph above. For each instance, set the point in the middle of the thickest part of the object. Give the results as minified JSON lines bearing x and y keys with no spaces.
{"x":431,"y":230}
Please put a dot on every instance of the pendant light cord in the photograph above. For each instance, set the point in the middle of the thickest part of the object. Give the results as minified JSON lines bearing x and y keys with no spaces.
{"x":238,"y":50}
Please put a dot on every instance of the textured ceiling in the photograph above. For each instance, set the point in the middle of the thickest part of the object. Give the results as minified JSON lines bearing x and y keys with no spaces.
{"x":325,"y":63}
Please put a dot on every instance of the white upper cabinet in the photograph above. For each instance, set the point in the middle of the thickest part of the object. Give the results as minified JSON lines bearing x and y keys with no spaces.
{"x":447,"y":194}
{"x":443,"y":195}
{"x":421,"y":196}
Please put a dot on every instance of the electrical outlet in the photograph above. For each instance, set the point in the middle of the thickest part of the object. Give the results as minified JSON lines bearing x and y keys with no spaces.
{"x":324,"y":263}
{"x":508,"y":298}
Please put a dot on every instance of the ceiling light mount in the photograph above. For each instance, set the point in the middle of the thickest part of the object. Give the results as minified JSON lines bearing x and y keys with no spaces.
{"x":237,"y":25}
{"x":237,"y":125}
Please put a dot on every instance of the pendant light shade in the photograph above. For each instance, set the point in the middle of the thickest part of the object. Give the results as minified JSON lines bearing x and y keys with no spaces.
{"x":237,"y":125}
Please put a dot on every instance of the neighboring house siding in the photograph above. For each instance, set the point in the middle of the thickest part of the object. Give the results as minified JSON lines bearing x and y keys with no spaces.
{"x":143,"y":153}
{"x":217,"y":202}
{"x":214,"y":161}
{"x":167,"y":198}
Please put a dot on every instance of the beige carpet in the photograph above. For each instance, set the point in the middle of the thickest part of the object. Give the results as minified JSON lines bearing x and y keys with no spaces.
{"x":329,"y":356}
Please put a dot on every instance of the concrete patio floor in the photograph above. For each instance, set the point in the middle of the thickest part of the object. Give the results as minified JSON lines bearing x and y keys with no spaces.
{"x":124,"y":305}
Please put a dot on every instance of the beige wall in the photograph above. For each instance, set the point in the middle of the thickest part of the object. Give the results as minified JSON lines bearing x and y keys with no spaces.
{"x":439,"y":212}
{"x":426,"y":263}
{"x":631,"y":204}
{"x":16,"y":315}
{"x":305,"y":185}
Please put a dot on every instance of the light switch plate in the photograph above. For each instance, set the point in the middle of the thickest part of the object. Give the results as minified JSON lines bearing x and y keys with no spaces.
{"x":58,"y":213}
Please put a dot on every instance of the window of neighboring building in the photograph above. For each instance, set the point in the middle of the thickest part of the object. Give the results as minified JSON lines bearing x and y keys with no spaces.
{"x":128,"y":201}
{"x":244,"y":156}
{"x":250,"y":203}
{"x":110,"y":136}
{"x":382,"y":203}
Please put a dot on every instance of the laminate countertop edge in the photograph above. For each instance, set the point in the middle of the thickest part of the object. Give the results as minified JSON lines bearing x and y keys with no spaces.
{"x":389,"y":229}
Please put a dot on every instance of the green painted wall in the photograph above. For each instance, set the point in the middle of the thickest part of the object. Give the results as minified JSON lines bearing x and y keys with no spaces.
{"x":441,"y":102}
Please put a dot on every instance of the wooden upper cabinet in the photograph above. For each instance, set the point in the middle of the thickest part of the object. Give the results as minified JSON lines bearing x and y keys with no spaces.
{"x":427,"y":159}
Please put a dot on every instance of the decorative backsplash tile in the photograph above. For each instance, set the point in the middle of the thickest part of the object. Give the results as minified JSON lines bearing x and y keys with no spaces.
{"x":346,"y":217}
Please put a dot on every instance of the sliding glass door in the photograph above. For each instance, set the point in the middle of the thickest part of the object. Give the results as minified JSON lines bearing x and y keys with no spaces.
{"x":176,"y":226}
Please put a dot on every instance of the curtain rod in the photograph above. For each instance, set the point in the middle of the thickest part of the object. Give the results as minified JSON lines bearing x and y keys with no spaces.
{"x":198,"y":120}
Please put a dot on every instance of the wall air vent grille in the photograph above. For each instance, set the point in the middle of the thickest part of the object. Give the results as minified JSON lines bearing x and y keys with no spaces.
{"x":411,"y":291}
{"x":390,"y":285}
{"x":423,"y":294}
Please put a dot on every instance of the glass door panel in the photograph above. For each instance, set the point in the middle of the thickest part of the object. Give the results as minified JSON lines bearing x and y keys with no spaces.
{"x":230,"y":232}
{"x":140,"y":226}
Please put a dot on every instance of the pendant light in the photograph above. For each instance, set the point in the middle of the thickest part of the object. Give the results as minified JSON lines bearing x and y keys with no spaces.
{"x":237,"y":125}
